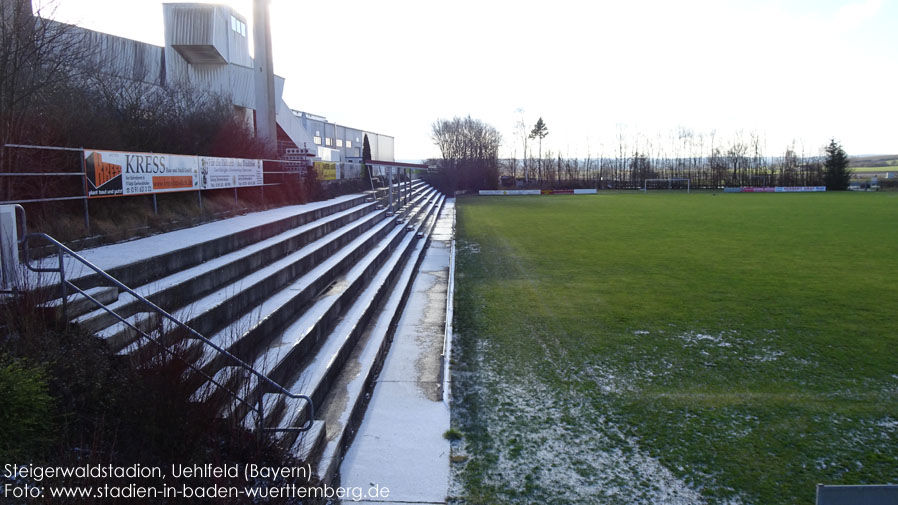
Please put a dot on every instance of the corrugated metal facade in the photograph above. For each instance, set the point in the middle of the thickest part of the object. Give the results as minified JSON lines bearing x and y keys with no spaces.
{"x":122,"y":57}
{"x":207,"y":47}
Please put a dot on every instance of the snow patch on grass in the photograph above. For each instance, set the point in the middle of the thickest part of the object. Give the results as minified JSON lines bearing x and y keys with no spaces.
{"x":607,"y":379}
{"x":722,"y":339}
{"x":548,"y":446}
{"x":767,"y":354}
{"x":465,"y":246}
{"x":888,"y":424}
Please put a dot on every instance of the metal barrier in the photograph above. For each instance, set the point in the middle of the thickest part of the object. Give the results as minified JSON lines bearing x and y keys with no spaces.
{"x":64,"y":284}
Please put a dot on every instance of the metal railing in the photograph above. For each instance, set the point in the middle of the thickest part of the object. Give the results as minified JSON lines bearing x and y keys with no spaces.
{"x":86,"y":199}
{"x":65,"y":284}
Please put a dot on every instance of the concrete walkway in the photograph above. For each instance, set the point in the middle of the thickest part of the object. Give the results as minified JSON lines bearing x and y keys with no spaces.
{"x":400,"y":442}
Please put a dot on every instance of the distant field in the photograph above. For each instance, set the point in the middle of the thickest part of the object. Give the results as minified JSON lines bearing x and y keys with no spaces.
{"x":674,"y":348}
{"x":874,"y":169}
{"x":882,"y":159}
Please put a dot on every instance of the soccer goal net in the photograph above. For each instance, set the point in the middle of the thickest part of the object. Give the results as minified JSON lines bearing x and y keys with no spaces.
{"x":668,"y":183}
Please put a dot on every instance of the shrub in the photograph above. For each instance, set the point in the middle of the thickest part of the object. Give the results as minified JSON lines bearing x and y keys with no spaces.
{"x":25,"y":419}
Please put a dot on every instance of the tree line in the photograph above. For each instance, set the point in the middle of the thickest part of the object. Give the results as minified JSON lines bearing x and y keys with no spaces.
{"x":707,"y":160}
{"x":470,"y":154}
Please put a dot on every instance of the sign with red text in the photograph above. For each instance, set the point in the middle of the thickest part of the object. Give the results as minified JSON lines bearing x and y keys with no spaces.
{"x":116,"y":173}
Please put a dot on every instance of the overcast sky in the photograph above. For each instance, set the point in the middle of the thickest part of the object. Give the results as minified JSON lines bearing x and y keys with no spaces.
{"x":803,"y":70}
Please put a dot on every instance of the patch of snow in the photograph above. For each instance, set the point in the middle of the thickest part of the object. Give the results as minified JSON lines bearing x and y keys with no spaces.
{"x":553,"y":447}
{"x":888,"y":424}
{"x":768,"y":354}
{"x":722,"y":339}
{"x":608,"y":381}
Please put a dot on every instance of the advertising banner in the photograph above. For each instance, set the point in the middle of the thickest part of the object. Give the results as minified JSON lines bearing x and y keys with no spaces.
{"x":777,"y":189}
{"x":218,"y":173}
{"x":494,"y":192}
{"x":799,"y":189}
{"x":326,"y":170}
{"x":115,"y":173}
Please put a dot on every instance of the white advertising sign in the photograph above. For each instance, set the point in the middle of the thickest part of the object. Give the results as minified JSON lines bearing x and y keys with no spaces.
{"x":494,"y":192}
{"x":217,"y":173}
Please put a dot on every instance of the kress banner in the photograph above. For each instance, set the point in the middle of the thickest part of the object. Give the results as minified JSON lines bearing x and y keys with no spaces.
{"x":116,"y":173}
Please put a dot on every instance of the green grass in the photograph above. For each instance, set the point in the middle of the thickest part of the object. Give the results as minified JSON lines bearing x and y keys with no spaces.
{"x":866,"y":170}
{"x":744,"y":342}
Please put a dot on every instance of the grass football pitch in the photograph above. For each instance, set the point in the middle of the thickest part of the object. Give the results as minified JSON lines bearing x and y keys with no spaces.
{"x":674,"y":348}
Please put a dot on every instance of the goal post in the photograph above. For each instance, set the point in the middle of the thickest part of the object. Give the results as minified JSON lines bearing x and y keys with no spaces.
{"x":670,"y":183}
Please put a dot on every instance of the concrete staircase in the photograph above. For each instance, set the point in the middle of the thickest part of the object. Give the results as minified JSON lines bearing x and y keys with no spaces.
{"x":309,"y":300}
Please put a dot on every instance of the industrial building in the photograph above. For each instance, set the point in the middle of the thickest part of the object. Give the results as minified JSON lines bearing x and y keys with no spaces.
{"x":207,"y":47}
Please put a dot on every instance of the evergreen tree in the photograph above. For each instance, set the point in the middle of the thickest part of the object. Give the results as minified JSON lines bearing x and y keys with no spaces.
{"x":540,"y":130}
{"x":366,"y":156}
{"x":836,"y":174}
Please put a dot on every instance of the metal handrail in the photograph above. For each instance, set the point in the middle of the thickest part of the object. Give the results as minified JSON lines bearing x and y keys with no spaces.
{"x":63,"y":250}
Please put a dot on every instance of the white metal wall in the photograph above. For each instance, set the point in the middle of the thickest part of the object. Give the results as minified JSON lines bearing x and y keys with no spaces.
{"x":204,"y":32}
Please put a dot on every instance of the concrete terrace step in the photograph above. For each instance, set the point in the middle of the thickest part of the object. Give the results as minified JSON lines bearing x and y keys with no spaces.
{"x":143,"y":260}
{"x":319,"y":371}
{"x":308,"y":445}
{"x":227,"y":312}
{"x":309,"y":298}
{"x":119,"y":335}
{"x":282,"y":306}
{"x":344,"y":381}
{"x":285,"y":347}
{"x":344,"y":406}
{"x":181,"y":287}
{"x":78,"y":304}
{"x":399,"y":442}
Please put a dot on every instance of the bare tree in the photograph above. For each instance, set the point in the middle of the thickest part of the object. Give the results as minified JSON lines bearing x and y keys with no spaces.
{"x":470,"y":153}
{"x":37,"y":57}
{"x":521,"y":132}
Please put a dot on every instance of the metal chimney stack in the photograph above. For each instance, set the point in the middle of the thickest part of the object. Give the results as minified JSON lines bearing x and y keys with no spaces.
{"x":266,"y":128}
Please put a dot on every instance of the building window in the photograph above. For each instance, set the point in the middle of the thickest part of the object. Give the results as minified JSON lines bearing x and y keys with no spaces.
{"x":349,"y":144}
{"x":339,"y":142}
{"x":317,"y":140}
{"x":328,"y":141}
{"x":238,"y":26}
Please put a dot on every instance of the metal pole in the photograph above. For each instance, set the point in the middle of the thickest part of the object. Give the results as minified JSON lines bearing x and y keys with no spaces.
{"x":260,"y":427}
{"x":65,"y":313}
{"x":84,"y":186}
{"x":199,"y":195}
{"x":235,"y":198}
{"x":155,"y":206}
{"x":390,"y":185}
